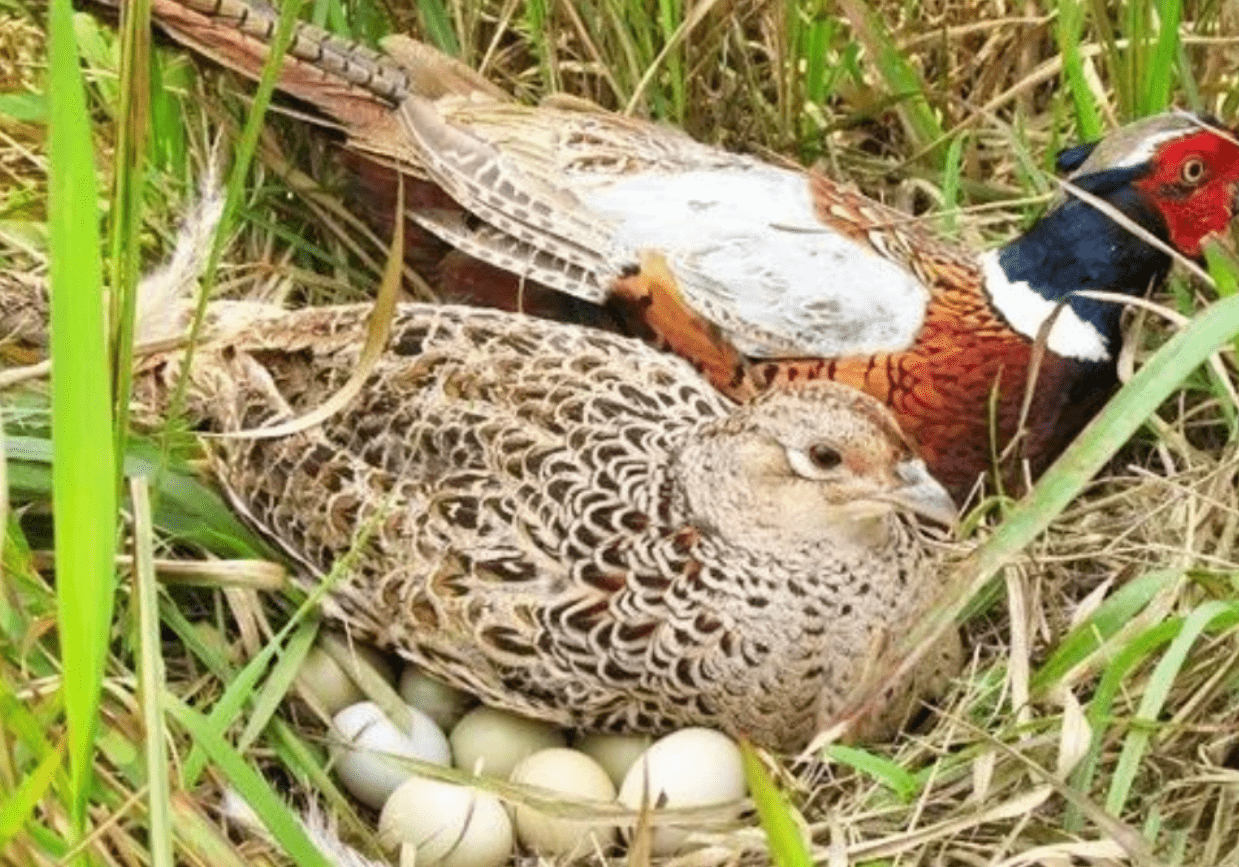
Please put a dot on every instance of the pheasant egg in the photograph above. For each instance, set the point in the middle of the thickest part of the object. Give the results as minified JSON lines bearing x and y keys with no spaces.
{"x":577,"y":777}
{"x":615,"y":753}
{"x":499,"y":740}
{"x":693,"y":767}
{"x":364,"y":762}
{"x":329,"y":684}
{"x":442,"y":703}
{"x":438,"y":824}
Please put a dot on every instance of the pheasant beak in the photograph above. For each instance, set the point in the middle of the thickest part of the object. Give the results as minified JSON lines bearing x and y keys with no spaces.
{"x":922,"y":494}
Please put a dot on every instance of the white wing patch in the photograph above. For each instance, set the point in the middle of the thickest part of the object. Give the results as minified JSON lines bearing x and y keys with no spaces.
{"x":1026,"y":309}
{"x":750,"y":254}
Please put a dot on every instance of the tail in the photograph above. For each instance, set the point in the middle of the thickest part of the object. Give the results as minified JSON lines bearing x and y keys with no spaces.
{"x":431,"y":74}
{"x":355,"y":86}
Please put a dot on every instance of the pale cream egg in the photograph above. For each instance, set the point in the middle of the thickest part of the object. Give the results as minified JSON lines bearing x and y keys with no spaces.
{"x":439,"y":824}
{"x":492,"y":742}
{"x":615,"y":753}
{"x":694,"y":767}
{"x":364,"y":761}
{"x":577,"y":777}
{"x":442,"y":703}
{"x":330,"y":684}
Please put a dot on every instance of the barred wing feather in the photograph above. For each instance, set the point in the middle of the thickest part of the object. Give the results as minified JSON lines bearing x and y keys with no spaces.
{"x":570,"y":198}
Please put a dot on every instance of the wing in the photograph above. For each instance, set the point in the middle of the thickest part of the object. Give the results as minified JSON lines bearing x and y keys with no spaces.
{"x":487,"y":498}
{"x":571,"y":198}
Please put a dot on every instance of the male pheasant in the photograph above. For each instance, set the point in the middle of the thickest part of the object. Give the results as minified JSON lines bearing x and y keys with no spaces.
{"x":764,"y":274}
{"x":573,"y":525}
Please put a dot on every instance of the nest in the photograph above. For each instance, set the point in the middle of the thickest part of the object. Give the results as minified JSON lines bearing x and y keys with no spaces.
{"x":1098,"y":720}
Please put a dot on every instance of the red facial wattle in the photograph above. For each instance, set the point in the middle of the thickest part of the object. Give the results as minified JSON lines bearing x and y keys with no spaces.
{"x":1194,"y":210}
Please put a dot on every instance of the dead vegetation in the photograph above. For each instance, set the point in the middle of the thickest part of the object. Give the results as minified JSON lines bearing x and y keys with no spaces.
{"x":1098,"y":722}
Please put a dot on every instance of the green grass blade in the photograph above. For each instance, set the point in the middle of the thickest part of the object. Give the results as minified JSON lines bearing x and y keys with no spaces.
{"x":151,"y":679}
{"x":438,"y":23}
{"x":241,"y":690}
{"x":273,"y":812}
{"x":1101,"y":705}
{"x":28,"y":725}
{"x":188,"y":509}
{"x":1216,"y":614}
{"x":1118,"y":58}
{"x":536,"y":19}
{"x":1160,"y":74}
{"x":1070,"y":27}
{"x":812,"y":76}
{"x":129,"y":163}
{"x":1110,"y":617}
{"x":1224,"y":270}
{"x":171,"y":76}
{"x":670,"y":17}
{"x":902,"y":79}
{"x":783,"y":838}
{"x":952,"y":171}
{"x":84,"y":476}
{"x":24,"y":106}
{"x":19,"y":804}
{"x":815,"y":35}
{"x":96,"y":45}
{"x":265,"y":704}
{"x":884,"y":771}
{"x":4,"y":503}
{"x":1188,"y":84}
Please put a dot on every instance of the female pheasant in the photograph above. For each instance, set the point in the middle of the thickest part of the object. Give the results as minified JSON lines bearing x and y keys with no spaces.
{"x":769,"y":274}
{"x":573,"y":525}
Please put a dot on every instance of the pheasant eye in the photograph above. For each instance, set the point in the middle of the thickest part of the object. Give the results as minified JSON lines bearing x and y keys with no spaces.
{"x":1193,"y":170}
{"x":824,"y":457}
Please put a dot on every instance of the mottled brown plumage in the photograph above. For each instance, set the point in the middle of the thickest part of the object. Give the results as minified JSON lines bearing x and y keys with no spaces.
{"x":574,"y":526}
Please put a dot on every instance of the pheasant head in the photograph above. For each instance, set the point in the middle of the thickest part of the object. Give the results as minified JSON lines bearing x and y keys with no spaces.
{"x":1175,"y":176}
{"x":1178,"y":171}
{"x":818,"y":464}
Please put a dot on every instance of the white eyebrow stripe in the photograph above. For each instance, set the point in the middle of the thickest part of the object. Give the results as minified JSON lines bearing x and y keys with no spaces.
{"x":1147,"y":147}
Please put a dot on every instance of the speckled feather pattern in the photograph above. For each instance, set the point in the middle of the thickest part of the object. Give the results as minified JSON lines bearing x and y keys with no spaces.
{"x":570,"y":524}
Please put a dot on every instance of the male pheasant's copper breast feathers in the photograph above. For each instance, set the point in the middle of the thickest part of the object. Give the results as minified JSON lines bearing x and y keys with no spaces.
{"x":573,"y":525}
